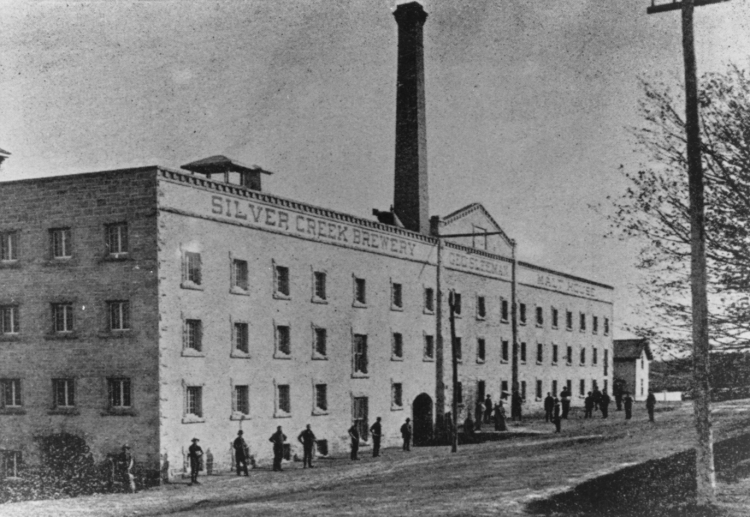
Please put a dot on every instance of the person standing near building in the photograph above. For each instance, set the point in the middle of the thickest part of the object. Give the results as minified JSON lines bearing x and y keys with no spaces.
{"x":406,"y":434}
{"x":126,"y":468}
{"x":307,"y":439}
{"x":376,"y":430}
{"x":500,"y":417}
{"x":650,"y":405}
{"x":277,"y":439}
{"x":195,"y":454}
{"x":478,"y":414}
{"x":549,"y":405}
{"x":588,"y":406}
{"x":488,"y":409}
{"x":556,"y":414}
{"x":565,"y":402}
{"x":628,"y":403}
{"x":515,"y":406}
{"x":618,"y":394}
{"x":354,"y":437}
{"x":597,"y":395}
{"x":604,"y":404}
{"x":241,"y":453}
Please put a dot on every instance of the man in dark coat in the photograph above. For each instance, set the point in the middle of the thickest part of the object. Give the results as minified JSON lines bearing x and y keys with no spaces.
{"x":126,"y":465}
{"x":376,"y":430}
{"x":604,"y":404}
{"x":597,"y":398}
{"x":240,"y":453}
{"x":277,"y":439}
{"x":195,"y":453}
{"x":469,"y":429}
{"x":515,"y":406}
{"x":650,"y":404}
{"x":618,"y":393}
{"x":628,"y":403}
{"x":565,"y":402}
{"x":406,"y":434}
{"x":549,"y":405}
{"x":488,"y":410}
{"x":354,"y":437}
{"x":556,"y":414}
{"x":588,"y":406}
{"x":307,"y":439}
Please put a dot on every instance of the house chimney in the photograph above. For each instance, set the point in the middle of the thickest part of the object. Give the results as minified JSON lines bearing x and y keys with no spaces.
{"x":410,"y":197}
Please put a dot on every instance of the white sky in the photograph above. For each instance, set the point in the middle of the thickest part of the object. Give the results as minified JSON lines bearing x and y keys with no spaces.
{"x":527,"y":101}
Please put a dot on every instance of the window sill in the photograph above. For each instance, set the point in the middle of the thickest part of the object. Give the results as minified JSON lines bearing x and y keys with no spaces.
{"x":396,"y":308}
{"x":12,"y":411}
{"x":554,"y":327}
{"x":429,"y":312}
{"x":522,"y":323}
{"x":64,"y":411}
{"x":481,"y":361}
{"x":239,"y":354}
{"x":191,"y":352}
{"x":540,"y":325}
{"x":281,"y":355}
{"x":322,"y":301}
{"x":504,"y":321}
{"x":360,"y":375}
{"x":568,"y":364}
{"x":503,"y":361}
{"x":569,"y":329}
{"x":554,"y":364}
{"x":319,"y":412}
{"x":10,"y":337}
{"x":237,"y":416}
{"x":119,"y":412}
{"x":191,"y":286}
{"x":428,"y":359}
{"x":397,"y":408}
{"x":539,"y":363}
{"x":397,"y":358}
{"x":281,"y":296}
{"x":61,"y":336}
{"x":193,"y":419}
{"x":239,"y":291}
{"x":116,"y":334}
{"x":481,"y":318}
{"x":120,"y":257}
{"x":318,"y":357}
{"x":359,"y":305}
{"x":281,"y":414}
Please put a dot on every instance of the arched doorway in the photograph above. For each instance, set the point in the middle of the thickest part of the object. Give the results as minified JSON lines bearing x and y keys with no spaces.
{"x":422,"y":417}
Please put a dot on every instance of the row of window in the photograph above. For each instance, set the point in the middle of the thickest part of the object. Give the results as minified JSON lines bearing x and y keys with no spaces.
{"x":120,"y":397}
{"x":63,"y":318}
{"x":193,"y":341}
{"x":539,"y":392}
{"x":61,"y":243}
{"x":192,"y":278}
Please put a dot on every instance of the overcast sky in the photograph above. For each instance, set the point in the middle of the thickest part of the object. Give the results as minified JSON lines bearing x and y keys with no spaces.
{"x":527,"y":101}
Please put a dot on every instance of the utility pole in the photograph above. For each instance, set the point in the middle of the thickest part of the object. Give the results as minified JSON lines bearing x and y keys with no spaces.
{"x":705,"y":472}
{"x":514,"y":327}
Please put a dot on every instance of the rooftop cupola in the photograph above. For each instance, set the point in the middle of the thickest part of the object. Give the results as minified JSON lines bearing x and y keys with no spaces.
{"x":228,"y":171}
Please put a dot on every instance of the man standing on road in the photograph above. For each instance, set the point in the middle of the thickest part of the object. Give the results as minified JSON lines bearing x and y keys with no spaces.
{"x":588,"y":406}
{"x":277,"y":439}
{"x":240,"y":453}
{"x":556,"y":414}
{"x":478,"y":413}
{"x":650,"y":404}
{"x":406,"y":434}
{"x":549,"y":405}
{"x":354,"y":436}
{"x":515,"y":406}
{"x":565,"y":401}
{"x":195,"y":454}
{"x":604,"y":404}
{"x":488,"y":409}
{"x":307,"y":439}
{"x":376,"y":430}
{"x":628,"y":402}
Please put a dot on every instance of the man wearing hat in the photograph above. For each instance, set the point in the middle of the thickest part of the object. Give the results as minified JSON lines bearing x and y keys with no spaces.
{"x":126,"y":466}
{"x":277,"y":439}
{"x":308,"y":440}
{"x":240,"y":453}
{"x":195,"y":453}
{"x":406,"y":433}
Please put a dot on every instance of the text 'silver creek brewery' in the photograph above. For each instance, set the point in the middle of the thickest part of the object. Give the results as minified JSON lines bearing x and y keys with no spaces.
{"x":153,"y":305}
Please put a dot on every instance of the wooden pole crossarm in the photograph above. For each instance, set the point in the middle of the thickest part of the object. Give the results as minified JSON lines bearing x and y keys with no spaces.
{"x":674,"y":6}
{"x":483,"y":234}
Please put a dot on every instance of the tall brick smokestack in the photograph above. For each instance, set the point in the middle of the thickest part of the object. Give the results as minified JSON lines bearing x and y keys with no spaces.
{"x":410,"y":197}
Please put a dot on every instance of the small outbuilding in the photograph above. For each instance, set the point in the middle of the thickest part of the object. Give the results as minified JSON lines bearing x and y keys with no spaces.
{"x":631,"y":362}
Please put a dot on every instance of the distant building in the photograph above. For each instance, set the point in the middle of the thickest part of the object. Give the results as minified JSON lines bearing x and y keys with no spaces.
{"x":632,"y":358}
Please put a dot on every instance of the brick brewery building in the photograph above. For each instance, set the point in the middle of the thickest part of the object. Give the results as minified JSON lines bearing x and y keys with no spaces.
{"x":153,"y":305}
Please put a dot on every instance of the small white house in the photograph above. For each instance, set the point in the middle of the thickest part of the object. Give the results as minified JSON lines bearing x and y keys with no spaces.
{"x":631,"y":361}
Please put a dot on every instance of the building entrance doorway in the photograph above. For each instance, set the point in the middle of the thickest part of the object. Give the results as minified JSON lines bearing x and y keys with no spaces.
{"x":422,"y":417}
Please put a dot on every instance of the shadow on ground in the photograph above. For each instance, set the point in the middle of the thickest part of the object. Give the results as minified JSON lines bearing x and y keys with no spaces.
{"x":664,"y":487}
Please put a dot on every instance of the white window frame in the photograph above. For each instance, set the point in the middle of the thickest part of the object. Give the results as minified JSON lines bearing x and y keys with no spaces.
{"x":481,"y":346}
{"x":554,"y":317}
{"x":523,"y":352}
{"x":277,"y":352}
{"x":117,"y":233}
{"x":316,"y":409}
{"x":192,"y":417}
{"x":278,"y":411}
{"x":279,"y":271}
{"x":357,"y":302}
{"x":505,"y":310}
{"x":355,"y":363}
{"x":481,"y":302}
{"x":539,"y":353}
{"x":65,"y":244}
{"x":425,"y":357}
{"x":118,"y":313}
{"x":317,"y":331}
{"x":397,"y":386}
{"x":428,"y":309}
{"x":235,"y":276}
{"x":523,"y":314}
{"x":394,"y":342}
{"x":69,"y":385}
{"x":555,"y":354}
{"x":397,"y":288}
{"x":187,"y":350}
{"x":315,"y":295}
{"x":505,"y":345}
{"x":15,"y":393}
{"x":9,"y":246}
{"x":189,"y":257}
{"x":539,"y":316}
{"x":9,"y":320}
{"x":119,"y":383}
{"x":68,"y":318}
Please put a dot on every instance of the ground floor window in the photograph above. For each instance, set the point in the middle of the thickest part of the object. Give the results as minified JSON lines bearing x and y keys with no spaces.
{"x":10,"y":463}
{"x":194,"y":401}
{"x":359,"y":416}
